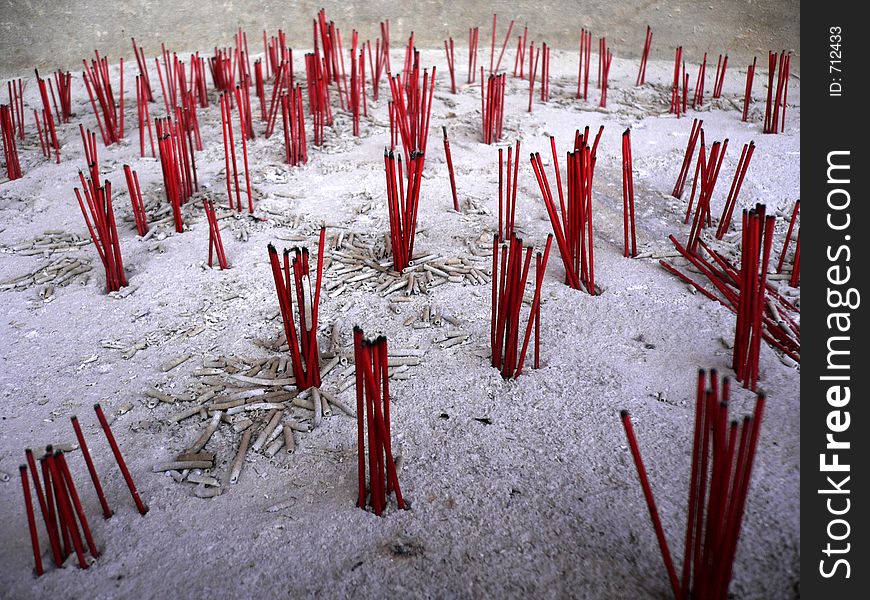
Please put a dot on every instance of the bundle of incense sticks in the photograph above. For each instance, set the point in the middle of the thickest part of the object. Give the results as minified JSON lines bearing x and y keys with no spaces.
{"x":606,"y":60}
{"x":284,"y":84}
{"x":451,"y":62}
{"x":508,"y":290}
{"x":695,"y":134}
{"x":675,"y":89}
{"x":381,"y":62}
{"x":647,"y":44}
{"x":59,"y":502}
{"x":373,"y":424}
{"x":144,"y":117}
{"x":494,"y":70}
{"x":222,"y":67}
{"x":707,"y":173}
{"x":721,"y":65}
{"x":318,"y":96}
{"x":519,"y":60}
{"x":402,"y":203}
{"x":776,"y":102}
{"x":734,"y":192}
{"x":449,"y":158}
{"x":698,"y":98}
{"x":721,"y":473}
{"x":754,"y":260}
{"x":492,"y":106}
{"x":10,"y":149}
{"x":412,"y":103}
{"x":15,"y":88}
{"x":628,"y":198}
{"x":110,"y":114}
{"x":507,"y":191}
{"x":143,"y":70}
{"x":731,"y":287}
{"x":572,"y":225}
{"x":178,"y":166}
{"x":794,"y":215}
{"x":545,"y":73}
{"x":99,"y":217}
{"x":747,"y":94}
{"x":215,"y":245}
{"x":293,"y":112}
{"x":333,"y":56}
{"x":48,"y":120}
{"x":135,"y":194}
{"x":473,"y":37}
{"x":230,"y":160}
{"x":583,"y":70}
{"x":89,"y":143}
{"x":304,"y":350}
{"x":63,"y":83}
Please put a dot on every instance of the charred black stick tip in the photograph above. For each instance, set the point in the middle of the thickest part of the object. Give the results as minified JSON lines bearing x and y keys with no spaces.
{"x":22,"y":469}
{"x":444,"y":129}
{"x":357,"y":328}
{"x":271,"y":248}
{"x":623,"y":414}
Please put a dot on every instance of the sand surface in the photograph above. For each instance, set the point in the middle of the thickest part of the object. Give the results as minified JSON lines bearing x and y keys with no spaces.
{"x":517,"y":488}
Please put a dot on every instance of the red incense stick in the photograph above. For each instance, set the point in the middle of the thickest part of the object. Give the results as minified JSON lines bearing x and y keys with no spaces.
{"x":140,"y":506}
{"x":628,"y":197}
{"x":450,"y":170}
{"x":647,"y":44}
{"x":31,"y":521}
{"x":92,"y":470}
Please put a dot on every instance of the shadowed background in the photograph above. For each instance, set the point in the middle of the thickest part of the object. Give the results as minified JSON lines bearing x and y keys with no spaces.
{"x":49,"y":34}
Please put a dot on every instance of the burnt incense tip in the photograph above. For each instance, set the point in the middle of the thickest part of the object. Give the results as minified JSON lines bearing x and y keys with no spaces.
{"x":49,"y":450}
{"x":357,"y":329}
{"x":74,"y":419}
{"x":22,"y":468}
{"x":271,"y":248}
{"x":623,"y":414}
{"x":97,"y":407}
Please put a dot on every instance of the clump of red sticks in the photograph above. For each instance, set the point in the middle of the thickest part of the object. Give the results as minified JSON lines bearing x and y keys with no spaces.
{"x":572,"y":225}
{"x":647,"y":44}
{"x":230,"y":151}
{"x":178,"y":165}
{"x":110,"y":115}
{"x":762,"y":313}
{"x":135,"y":194}
{"x":508,"y":291}
{"x":723,"y":456}
{"x":373,"y":424}
{"x":215,"y":245}
{"x":402,"y":204}
{"x":10,"y":149}
{"x":99,"y":217}
{"x":296,"y":276}
{"x":774,"y":111}
{"x":59,"y":502}
{"x":492,"y":106}
{"x":507,"y":191}
{"x":411,"y":106}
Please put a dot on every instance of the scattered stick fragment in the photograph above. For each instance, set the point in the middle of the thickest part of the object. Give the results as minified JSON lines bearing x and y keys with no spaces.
{"x":373,"y":424}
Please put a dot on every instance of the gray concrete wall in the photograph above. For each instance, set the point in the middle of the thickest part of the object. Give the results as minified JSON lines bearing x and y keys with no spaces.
{"x":48,"y":34}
